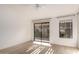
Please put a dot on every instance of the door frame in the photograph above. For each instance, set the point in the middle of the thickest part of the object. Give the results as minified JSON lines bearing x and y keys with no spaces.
{"x":41,"y":31}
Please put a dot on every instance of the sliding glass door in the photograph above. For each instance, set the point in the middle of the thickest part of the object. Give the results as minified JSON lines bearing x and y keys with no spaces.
{"x":45,"y":32}
{"x":37,"y":32}
{"x":41,"y":32}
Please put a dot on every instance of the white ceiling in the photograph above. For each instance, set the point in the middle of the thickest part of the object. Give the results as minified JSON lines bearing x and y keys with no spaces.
{"x":53,"y":10}
{"x":44,"y":11}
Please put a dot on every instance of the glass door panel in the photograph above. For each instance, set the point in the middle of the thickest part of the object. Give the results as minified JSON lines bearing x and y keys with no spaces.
{"x":41,"y":32}
{"x":37,"y":32}
{"x":45,"y":32}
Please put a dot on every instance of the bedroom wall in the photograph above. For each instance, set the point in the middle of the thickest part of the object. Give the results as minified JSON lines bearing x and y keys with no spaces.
{"x":16,"y":22}
{"x":78,"y":29}
{"x":54,"y":32}
{"x":53,"y":11}
{"x":15,"y":25}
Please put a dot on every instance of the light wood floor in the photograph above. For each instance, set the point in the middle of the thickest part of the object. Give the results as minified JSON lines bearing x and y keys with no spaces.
{"x":22,"y":48}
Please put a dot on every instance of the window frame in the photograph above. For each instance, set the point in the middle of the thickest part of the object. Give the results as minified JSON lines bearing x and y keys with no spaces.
{"x":65,"y":28}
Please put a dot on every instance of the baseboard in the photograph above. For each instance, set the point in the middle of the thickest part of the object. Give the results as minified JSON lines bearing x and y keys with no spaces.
{"x":63,"y":45}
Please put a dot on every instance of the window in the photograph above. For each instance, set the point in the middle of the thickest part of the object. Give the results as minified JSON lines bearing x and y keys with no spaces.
{"x":65,"y":29}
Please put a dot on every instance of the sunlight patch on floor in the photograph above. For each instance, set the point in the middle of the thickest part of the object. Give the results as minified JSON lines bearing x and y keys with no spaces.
{"x":42,"y":43}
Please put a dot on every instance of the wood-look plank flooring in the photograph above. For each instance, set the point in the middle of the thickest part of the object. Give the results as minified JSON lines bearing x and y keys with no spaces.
{"x":39,"y":49}
{"x":29,"y":48}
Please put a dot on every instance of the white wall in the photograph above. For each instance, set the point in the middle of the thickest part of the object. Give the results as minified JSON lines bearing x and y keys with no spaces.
{"x":52,"y":11}
{"x":54,"y":32}
{"x":16,"y":22}
{"x":15,"y":25}
{"x":78,"y":29}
